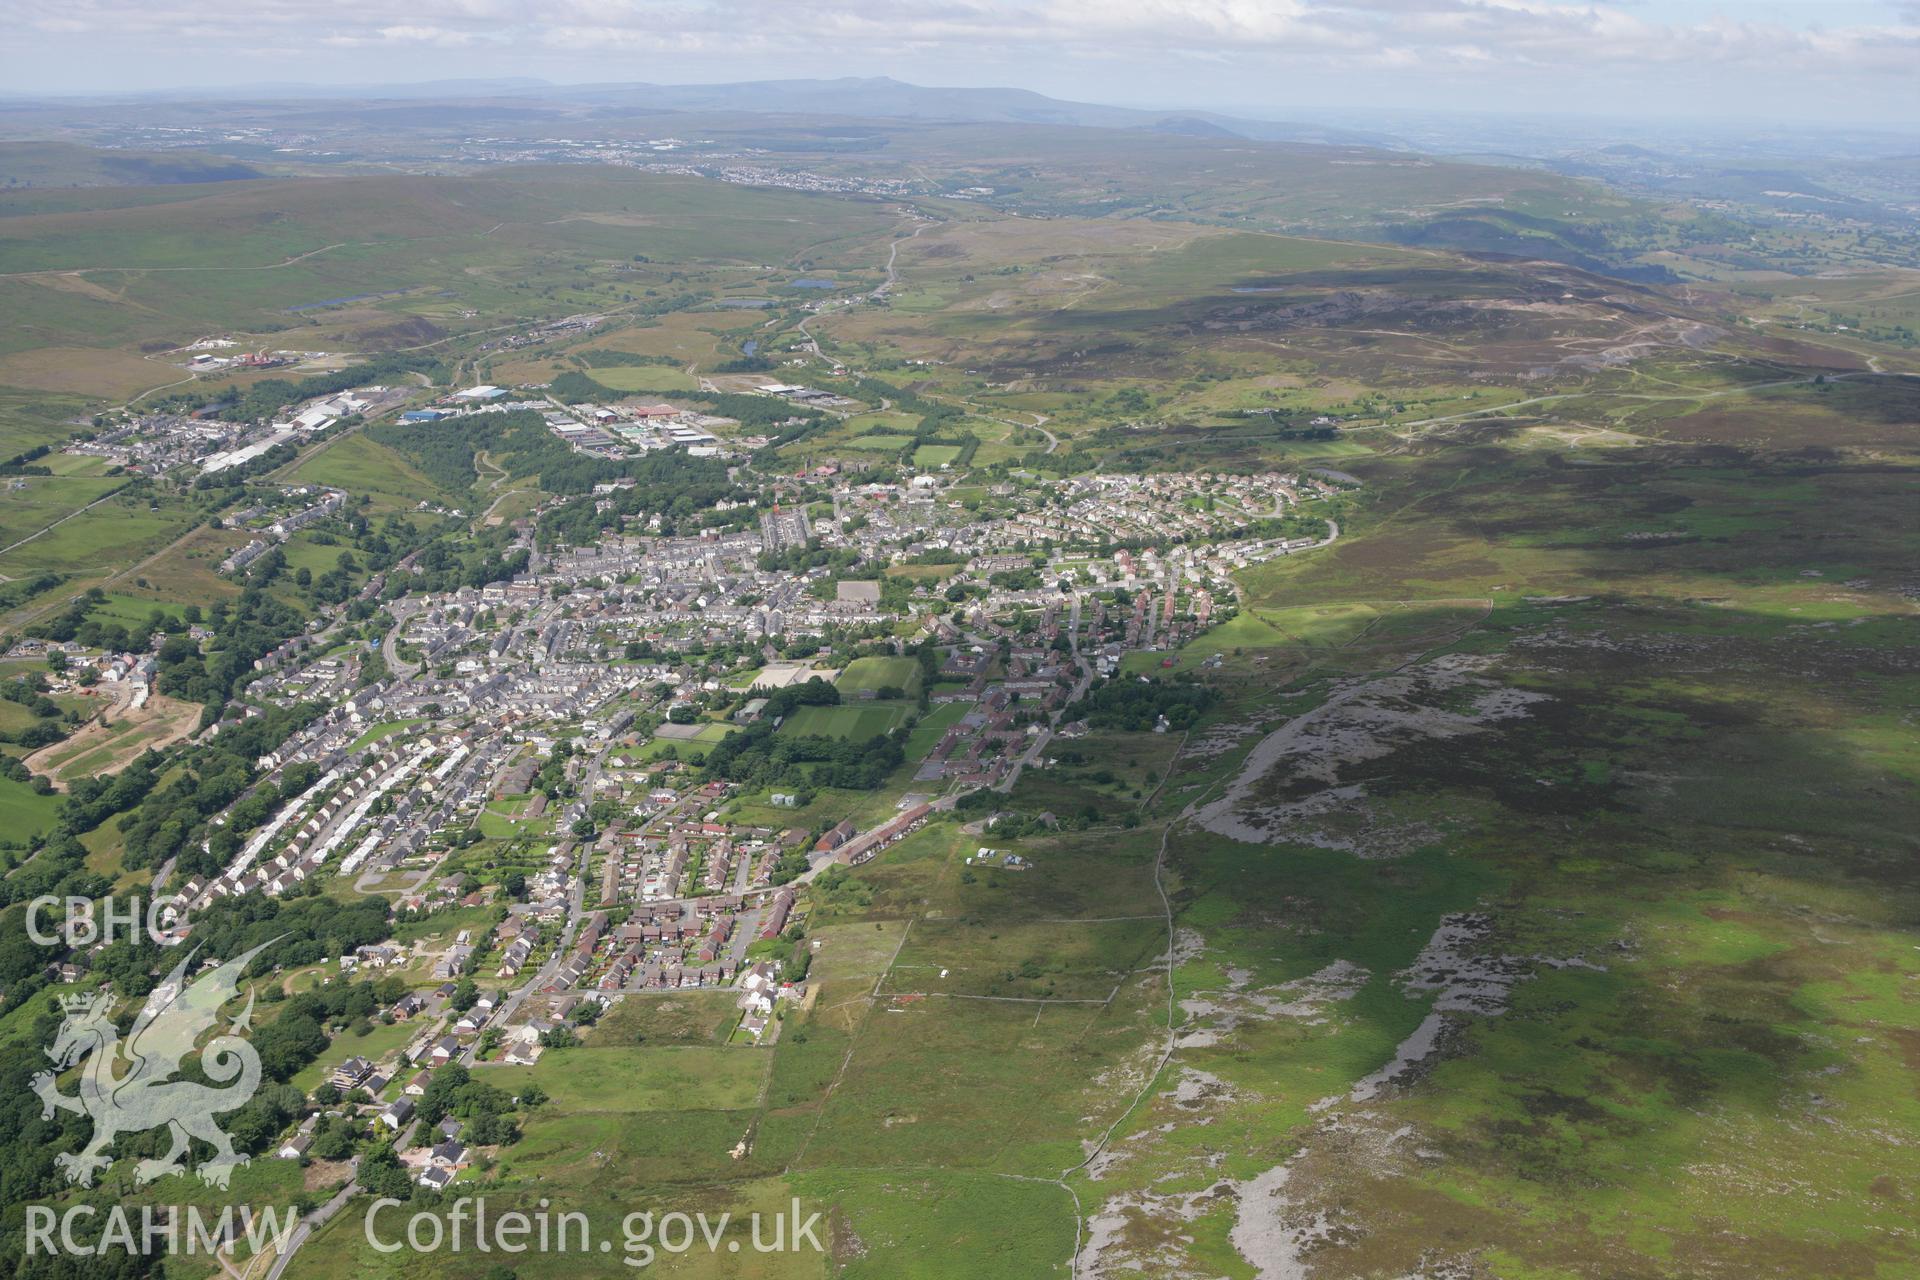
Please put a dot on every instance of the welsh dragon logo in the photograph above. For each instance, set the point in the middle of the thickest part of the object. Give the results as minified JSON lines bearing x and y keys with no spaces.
{"x":144,"y":1096}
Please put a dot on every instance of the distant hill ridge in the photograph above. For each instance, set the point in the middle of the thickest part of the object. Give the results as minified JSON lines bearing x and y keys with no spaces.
{"x":868,"y":97}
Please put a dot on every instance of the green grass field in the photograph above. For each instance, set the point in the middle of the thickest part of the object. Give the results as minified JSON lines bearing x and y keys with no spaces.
{"x":870,"y":674}
{"x":130,"y":610}
{"x":31,"y":503}
{"x":851,"y":721}
{"x":646,"y":1078}
{"x":643,"y":378}
{"x":360,"y":465}
{"x":705,"y":735}
{"x":24,"y":813}
{"x":926,"y":735}
{"x":14,"y":717}
{"x":683,"y":1017}
{"x":932,"y":457}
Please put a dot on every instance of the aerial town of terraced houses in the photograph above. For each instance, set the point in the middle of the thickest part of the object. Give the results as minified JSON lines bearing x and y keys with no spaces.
{"x":564,"y":708}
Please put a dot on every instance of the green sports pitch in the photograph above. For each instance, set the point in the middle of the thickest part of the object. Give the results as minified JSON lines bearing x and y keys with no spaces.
{"x":850,"y":721}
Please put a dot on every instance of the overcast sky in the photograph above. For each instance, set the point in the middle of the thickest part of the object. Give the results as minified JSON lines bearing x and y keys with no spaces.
{"x":1855,"y":61}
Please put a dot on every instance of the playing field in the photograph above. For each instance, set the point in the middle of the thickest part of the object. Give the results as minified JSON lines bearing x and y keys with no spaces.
{"x":709,"y":732}
{"x":868,"y":674}
{"x":858,"y":722}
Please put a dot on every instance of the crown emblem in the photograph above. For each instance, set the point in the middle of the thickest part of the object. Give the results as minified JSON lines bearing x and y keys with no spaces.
{"x":77,"y":1001}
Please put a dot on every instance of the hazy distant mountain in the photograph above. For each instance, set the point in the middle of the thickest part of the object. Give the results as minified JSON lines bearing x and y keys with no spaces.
{"x":881,"y":97}
{"x":874,"y":98}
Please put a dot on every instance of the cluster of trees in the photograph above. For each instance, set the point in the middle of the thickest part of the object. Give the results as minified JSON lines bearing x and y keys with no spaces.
{"x":445,"y":454}
{"x":299,"y":1033}
{"x":552,"y":777}
{"x":382,"y":1174}
{"x":30,"y":1142}
{"x":786,"y":433}
{"x":335,"y":1137}
{"x":1017,"y":579}
{"x":793,"y":863}
{"x":1137,"y":705}
{"x":760,"y":758}
{"x":58,"y":865}
{"x":245,"y":630}
{"x":813,"y":692}
{"x":330,"y":586}
{"x":23,"y":463}
{"x":14,"y":769}
{"x":486,"y":1111}
{"x":303,"y":927}
{"x":272,"y":1108}
{"x":799,"y":957}
{"x":814,"y":555}
{"x":1291,"y":525}
{"x":441,"y":567}
{"x":573,"y":387}
{"x":682,"y":490}
{"x":310,"y":927}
